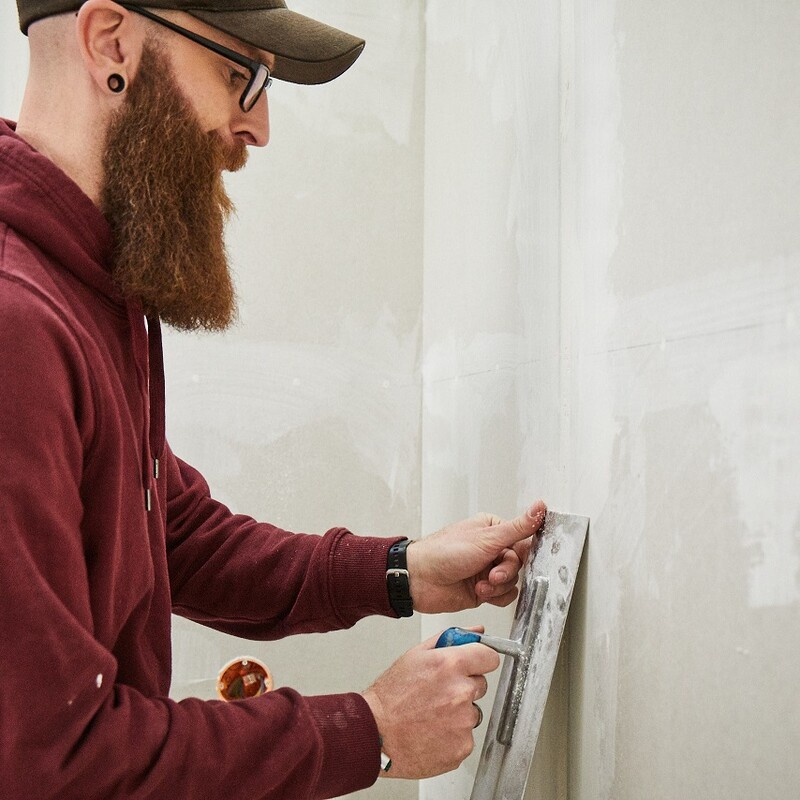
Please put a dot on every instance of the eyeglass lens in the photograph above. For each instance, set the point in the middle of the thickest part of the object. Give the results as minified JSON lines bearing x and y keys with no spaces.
{"x":259,"y":81}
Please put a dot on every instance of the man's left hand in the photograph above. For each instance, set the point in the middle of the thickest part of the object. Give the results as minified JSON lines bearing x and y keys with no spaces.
{"x":472,"y":562}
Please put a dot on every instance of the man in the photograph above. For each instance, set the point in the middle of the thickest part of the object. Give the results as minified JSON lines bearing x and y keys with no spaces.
{"x":112,"y":210}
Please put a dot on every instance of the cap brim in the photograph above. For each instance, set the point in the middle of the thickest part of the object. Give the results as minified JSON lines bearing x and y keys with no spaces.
{"x":305,"y":50}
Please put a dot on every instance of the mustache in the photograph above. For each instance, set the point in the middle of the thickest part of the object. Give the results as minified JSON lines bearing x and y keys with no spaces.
{"x":233,"y":156}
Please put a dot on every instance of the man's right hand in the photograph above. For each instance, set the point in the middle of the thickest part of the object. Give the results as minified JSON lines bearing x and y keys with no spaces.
{"x":423,"y":705}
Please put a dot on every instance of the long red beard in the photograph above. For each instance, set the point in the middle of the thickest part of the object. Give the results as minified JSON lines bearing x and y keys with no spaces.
{"x":164,"y":197}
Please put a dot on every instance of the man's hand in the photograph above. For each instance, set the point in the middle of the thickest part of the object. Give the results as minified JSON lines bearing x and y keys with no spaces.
{"x":423,"y":706}
{"x":472,"y":562}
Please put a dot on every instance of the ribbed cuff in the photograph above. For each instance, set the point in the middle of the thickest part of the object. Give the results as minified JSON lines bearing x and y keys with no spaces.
{"x":358,"y":574}
{"x":352,"y":752}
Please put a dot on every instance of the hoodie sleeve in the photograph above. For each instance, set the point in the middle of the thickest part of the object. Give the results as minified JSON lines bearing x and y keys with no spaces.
{"x":257,"y":581}
{"x":73,"y":726}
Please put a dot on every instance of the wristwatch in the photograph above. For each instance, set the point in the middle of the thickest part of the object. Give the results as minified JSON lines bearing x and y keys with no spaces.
{"x":397,"y":584}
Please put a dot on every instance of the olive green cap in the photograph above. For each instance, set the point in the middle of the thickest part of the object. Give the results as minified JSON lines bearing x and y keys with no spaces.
{"x":305,"y":50}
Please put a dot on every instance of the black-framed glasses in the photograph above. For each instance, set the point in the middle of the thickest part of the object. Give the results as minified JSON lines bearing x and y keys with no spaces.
{"x":260,"y":79}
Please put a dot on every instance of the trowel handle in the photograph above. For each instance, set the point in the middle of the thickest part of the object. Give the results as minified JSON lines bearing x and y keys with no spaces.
{"x":455,"y":636}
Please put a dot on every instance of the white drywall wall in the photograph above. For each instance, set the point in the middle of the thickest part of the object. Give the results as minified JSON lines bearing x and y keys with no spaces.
{"x":683,"y":245}
{"x":612,"y":297}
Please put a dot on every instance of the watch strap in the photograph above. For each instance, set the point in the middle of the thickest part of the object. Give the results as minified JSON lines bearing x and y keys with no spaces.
{"x":397,"y":583}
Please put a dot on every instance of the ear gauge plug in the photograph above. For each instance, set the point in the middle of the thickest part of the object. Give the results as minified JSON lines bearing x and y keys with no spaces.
{"x":116,"y":83}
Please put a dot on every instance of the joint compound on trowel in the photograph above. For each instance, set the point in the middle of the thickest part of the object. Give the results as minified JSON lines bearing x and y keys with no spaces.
{"x":547,"y":585}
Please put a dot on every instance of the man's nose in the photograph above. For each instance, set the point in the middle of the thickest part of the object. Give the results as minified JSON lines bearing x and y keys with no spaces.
{"x":252,"y":126}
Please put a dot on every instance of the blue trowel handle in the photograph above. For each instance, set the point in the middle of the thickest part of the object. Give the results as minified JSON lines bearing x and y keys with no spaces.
{"x":455,"y":636}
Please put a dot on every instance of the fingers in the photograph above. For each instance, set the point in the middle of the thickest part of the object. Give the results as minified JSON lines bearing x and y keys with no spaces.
{"x":523,"y":548}
{"x":500,"y":580}
{"x":473,"y":659}
{"x":486,"y":593}
{"x":481,"y":686}
{"x":481,"y":659}
{"x":504,"y":599}
{"x":506,"y":534}
{"x":506,"y":570}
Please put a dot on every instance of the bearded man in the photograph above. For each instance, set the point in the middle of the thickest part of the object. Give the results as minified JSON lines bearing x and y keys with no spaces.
{"x":112,"y":209}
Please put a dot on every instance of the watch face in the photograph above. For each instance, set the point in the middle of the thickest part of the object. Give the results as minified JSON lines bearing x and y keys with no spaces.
{"x":243,"y":678}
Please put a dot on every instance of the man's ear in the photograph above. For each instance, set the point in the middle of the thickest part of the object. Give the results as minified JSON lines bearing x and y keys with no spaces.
{"x":110,"y":43}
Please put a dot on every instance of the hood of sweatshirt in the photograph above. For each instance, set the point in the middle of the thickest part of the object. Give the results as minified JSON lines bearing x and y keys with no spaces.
{"x":44,"y":205}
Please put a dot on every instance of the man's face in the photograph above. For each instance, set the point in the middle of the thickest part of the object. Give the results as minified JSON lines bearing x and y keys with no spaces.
{"x":164,"y":197}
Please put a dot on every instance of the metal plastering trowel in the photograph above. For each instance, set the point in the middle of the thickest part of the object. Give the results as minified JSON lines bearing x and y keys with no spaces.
{"x":547,"y":583}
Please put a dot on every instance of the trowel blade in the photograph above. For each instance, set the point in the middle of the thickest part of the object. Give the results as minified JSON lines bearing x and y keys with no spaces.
{"x":503,"y":768}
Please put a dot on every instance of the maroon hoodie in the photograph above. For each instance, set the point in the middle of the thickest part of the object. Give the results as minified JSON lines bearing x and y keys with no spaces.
{"x":104,"y":532}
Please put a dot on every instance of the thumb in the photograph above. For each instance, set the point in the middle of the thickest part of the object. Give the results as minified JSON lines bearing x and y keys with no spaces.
{"x":508,"y":533}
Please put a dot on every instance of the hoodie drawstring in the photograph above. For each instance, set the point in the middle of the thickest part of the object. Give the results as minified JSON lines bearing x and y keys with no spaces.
{"x":157,"y":404}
